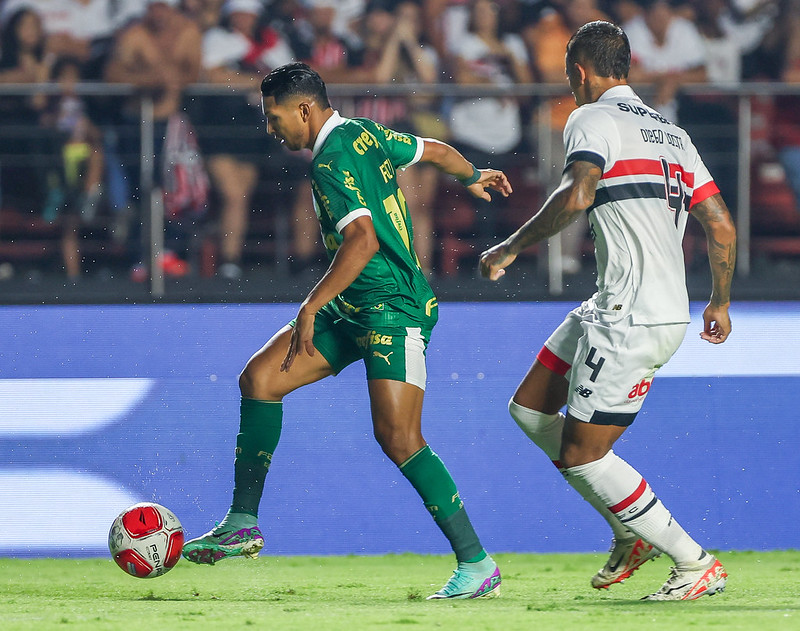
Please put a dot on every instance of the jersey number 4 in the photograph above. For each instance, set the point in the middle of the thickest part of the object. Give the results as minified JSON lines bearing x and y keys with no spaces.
{"x":676,"y":200}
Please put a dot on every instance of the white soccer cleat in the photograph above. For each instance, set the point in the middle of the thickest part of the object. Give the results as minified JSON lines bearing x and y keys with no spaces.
{"x":683,"y":584}
{"x":626,"y":557}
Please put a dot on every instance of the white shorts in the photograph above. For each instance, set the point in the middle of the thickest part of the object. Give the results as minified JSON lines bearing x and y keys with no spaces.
{"x":609,"y":365}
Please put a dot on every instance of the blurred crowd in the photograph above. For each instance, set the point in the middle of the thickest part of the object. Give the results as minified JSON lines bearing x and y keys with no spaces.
{"x":72,"y":159}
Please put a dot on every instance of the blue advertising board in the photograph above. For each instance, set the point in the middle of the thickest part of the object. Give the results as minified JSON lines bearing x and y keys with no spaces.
{"x":104,"y":406}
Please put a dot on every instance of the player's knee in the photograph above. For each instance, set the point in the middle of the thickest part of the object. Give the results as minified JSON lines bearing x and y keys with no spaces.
{"x":254,"y":384}
{"x":543,"y":429}
{"x":398,"y":444}
{"x":573,"y":454}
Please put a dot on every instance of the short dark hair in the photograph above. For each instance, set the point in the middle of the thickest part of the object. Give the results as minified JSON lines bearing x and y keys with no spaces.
{"x":295,"y":79}
{"x":602,"y":45}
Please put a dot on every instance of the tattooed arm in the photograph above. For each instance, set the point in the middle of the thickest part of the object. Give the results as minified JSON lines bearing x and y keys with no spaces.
{"x":713,"y":214}
{"x":573,"y":196}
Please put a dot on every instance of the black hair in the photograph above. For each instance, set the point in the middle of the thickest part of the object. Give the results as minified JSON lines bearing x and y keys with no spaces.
{"x":602,"y":45}
{"x":10,"y":52}
{"x":295,"y":79}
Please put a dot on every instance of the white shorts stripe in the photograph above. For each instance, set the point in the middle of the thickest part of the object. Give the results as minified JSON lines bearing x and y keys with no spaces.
{"x":416,"y":373}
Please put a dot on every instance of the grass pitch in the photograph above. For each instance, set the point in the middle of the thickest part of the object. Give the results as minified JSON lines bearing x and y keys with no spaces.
{"x":539,"y":591}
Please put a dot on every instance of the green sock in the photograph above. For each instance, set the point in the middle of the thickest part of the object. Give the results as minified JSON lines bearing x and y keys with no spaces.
{"x":431,"y":479}
{"x":259,"y":433}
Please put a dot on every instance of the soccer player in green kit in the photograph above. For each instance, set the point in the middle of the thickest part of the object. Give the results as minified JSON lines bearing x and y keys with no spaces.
{"x":373,"y":304}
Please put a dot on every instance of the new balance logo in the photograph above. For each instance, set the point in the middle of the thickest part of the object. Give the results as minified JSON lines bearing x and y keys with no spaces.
{"x":584,"y":392}
{"x":382,"y":356}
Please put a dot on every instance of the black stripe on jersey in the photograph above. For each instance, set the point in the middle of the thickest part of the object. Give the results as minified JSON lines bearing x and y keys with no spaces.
{"x":586,"y":156}
{"x":622,"y":419}
{"x":632,"y":190}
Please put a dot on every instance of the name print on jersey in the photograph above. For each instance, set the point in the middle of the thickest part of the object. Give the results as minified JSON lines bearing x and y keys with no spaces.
{"x":659,"y":136}
{"x":642,"y":111}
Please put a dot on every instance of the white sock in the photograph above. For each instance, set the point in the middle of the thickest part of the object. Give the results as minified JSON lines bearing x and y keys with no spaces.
{"x":545,"y":431}
{"x":628,"y":496}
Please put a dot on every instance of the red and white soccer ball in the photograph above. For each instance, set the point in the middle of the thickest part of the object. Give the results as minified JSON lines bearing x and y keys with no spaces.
{"x":146,"y":540}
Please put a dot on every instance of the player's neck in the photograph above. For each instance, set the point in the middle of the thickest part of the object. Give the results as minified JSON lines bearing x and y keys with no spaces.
{"x":318,"y":119}
{"x":600,"y":85}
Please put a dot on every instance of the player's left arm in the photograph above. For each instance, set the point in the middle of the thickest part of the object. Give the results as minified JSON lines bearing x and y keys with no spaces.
{"x":359,"y":245}
{"x":573,"y":196}
{"x":448,"y":159}
{"x":713,"y":215}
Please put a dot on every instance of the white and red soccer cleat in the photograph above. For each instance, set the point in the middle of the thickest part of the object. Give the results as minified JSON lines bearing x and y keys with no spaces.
{"x":626,"y":557}
{"x":692,"y":584}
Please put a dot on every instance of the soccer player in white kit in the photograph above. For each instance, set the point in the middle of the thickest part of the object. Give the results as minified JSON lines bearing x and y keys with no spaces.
{"x":639,"y":177}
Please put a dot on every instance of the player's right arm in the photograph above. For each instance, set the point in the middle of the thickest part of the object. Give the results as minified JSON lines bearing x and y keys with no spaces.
{"x":449,"y":160}
{"x":573,"y":196}
{"x":359,"y":245}
{"x":713,"y":215}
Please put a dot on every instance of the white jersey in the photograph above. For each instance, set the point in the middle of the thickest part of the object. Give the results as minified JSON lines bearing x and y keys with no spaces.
{"x":652,"y":176}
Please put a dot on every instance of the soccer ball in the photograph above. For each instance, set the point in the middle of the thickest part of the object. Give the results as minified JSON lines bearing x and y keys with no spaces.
{"x":146,"y":540}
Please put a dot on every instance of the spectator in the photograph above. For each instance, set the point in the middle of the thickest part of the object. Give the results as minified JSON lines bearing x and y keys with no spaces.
{"x":23,"y":57}
{"x":728,"y":35}
{"x":667,"y":51}
{"x":547,"y":40}
{"x":623,"y":11}
{"x":80,"y":29}
{"x":489,"y":130}
{"x":392,"y":52}
{"x":786,"y":120}
{"x":446,"y":23}
{"x":768,"y":60}
{"x":417,"y":62}
{"x":204,"y":12}
{"x":319,"y":46}
{"x":81,"y":155}
{"x":24,"y":147}
{"x":238,"y":53}
{"x":346,"y":19}
{"x":487,"y":56}
{"x":160,"y":54}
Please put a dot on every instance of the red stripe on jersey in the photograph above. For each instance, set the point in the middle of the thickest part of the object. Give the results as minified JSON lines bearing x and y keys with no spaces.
{"x":550,"y":360}
{"x":704,"y":192}
{"x":643,"y":166}
{"x":630,"y":499}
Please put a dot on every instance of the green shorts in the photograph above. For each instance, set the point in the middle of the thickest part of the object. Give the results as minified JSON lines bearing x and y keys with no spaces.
{"x":391,"y":344}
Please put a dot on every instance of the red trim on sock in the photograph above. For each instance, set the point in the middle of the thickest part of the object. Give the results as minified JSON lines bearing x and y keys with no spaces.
{"x":630,"y":499}
{"x":552,"y":361}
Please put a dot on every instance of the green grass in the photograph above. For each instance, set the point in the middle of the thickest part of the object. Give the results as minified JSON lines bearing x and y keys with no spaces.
{"x":540,"y":592}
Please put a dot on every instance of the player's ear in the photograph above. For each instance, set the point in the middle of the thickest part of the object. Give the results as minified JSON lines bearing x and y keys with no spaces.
{"x":305,"y":110}
{"x":580,"y":71}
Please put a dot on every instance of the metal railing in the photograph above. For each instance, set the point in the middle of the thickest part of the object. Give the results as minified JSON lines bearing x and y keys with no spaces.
{"x":537,"y":96}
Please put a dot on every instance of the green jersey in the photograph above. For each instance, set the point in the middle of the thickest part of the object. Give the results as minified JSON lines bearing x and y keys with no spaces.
{"x":354,"y":174}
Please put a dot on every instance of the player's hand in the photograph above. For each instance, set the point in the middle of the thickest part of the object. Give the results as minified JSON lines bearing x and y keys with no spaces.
{"x":494,"y":261}
{"x":302,"y":338}
{"x":490,"y":178}
{"x":717,"y":326}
